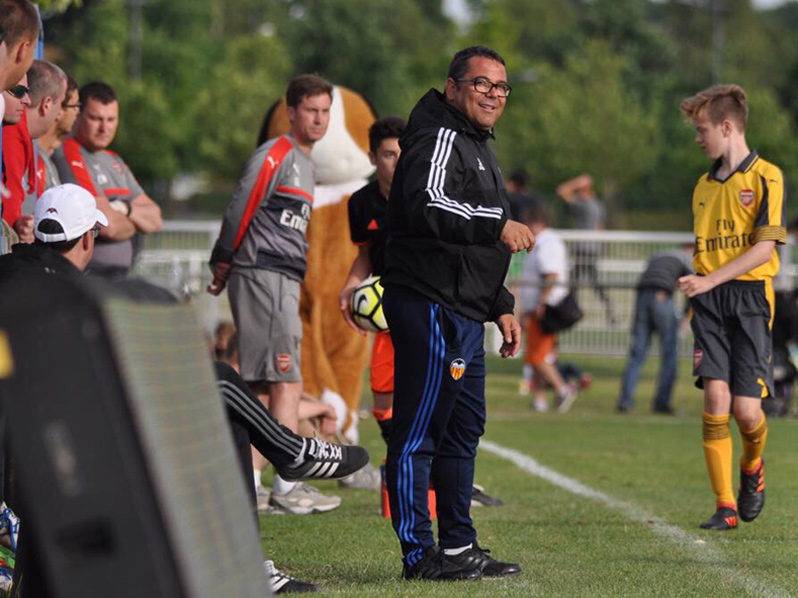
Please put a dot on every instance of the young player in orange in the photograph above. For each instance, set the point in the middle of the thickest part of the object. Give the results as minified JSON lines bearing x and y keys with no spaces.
{"x":738,"y":217}
{"x":368,"y":210}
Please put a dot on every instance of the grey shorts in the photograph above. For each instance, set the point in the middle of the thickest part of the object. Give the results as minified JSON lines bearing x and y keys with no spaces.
{"x":265,"y":308}
{"x":733,"y":341}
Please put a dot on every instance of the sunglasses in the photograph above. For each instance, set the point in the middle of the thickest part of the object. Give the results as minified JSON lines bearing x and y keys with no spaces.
{"x":18,"y":91}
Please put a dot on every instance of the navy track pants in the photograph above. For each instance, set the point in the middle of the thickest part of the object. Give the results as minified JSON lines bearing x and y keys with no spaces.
{"x":438,"y":418}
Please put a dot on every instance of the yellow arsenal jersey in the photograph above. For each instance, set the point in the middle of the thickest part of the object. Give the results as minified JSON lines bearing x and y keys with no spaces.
{"x":730,"y":216}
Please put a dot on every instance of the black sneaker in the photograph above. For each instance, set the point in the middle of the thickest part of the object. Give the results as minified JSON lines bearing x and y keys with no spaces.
{"x":751,"y":496}
{"x":280,"y":583}
{"x":434,"y":566}
{"x":325,"y":460}
{"x":723,"y":519}
{"x":479,"y":498}
{"x":476,"y":557}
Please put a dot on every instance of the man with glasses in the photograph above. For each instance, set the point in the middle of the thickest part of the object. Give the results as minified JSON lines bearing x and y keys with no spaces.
{"x":85,"y":159}
{"x":447,"y":256}
{"x":46,"y":89}
{"x":17,"y":99}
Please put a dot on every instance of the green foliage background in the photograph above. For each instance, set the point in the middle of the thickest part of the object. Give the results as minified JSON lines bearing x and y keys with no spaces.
{"x":597,"y":83}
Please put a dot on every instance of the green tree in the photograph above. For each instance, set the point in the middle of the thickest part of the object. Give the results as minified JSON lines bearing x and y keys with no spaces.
{"x":581,"y":118}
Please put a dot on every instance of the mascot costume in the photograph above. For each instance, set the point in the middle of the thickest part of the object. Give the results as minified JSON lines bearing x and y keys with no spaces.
{"x":334,"y":357}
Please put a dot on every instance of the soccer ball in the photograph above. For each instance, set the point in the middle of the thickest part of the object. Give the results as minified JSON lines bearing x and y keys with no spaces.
{"x":367,"y":305}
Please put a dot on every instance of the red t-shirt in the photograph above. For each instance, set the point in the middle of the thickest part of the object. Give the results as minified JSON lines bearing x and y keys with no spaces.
{"x":17,"y":162}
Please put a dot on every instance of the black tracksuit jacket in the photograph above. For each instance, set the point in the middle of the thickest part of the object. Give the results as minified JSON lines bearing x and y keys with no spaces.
{"x":447,"y":209}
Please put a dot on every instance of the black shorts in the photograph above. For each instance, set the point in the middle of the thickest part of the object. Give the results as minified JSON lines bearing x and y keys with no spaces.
{"x":733,"y":342}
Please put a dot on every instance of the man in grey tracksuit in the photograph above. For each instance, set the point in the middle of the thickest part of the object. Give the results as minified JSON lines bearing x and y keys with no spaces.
{"x":261,"y":253}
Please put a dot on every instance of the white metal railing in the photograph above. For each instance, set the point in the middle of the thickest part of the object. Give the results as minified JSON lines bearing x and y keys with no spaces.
{"x":177,"y":258}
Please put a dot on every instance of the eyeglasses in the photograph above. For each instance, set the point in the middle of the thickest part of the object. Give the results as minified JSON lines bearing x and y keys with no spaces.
{"x":483,"y":85}
{"x":68,"y":106}
{"x":18,"y":91}
{"x":95,"y":231}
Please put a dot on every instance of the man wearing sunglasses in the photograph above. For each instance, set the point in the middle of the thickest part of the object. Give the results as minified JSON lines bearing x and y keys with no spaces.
{"x":19,"y":30}
{"x":24,"y":175}
{"x":447,"y":257}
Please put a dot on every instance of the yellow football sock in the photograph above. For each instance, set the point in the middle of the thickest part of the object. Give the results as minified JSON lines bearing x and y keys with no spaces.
{"x":718,"y":454}
{"x":753,"y":445}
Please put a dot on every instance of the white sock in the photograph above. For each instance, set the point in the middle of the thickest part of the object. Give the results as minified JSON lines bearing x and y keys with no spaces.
{"x":456,"y":551}
{"x":282,"y":486}
{"x":256,"y":476}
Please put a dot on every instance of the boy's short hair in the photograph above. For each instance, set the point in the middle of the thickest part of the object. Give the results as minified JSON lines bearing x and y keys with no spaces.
{"x":385,"y":128}
{"x":719,"y":102}
{"x":306,"y":86}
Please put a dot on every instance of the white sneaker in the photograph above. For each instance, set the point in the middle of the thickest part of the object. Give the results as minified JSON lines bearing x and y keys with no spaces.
{"x":263,"y":494}
{"x":540,"y":404}
{"x":282,"y":583}
{"x":304,"y":499}
{"x":567,"y":398}
{"x":367,"y":478}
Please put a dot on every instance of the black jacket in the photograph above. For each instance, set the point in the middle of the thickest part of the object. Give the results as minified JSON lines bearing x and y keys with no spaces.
{"x":447,"y":209}
{"x":24,"y":257}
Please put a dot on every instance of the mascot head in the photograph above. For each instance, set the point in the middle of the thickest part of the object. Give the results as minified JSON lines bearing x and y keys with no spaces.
{"x":343,"y":153}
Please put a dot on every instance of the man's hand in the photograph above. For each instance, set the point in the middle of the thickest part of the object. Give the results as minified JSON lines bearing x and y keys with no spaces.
{"x":24,"y":228}
{"x":517,"y":236}
{"x":221,"y":272}
{"x":693,"y":285}
{"x":511,"y":334}
{"x":344,"y":301}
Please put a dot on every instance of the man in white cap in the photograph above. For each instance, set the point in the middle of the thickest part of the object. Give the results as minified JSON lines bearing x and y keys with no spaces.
{"x":66,"y":222}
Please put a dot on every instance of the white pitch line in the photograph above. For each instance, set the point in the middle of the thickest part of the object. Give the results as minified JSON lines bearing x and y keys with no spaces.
{"x":700,"y":548}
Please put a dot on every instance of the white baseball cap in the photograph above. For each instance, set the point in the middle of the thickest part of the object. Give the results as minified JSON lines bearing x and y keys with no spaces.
{"x":72,"y":207}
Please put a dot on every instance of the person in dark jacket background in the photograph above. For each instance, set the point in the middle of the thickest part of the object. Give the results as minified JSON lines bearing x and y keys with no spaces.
{"x":449,"y":247}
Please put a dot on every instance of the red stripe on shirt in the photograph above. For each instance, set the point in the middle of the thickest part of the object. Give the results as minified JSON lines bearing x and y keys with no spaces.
{"x":78,"y":165}
{"x":278,"y":151}
{"x":295,"y":191}
{"x":112,"y":192}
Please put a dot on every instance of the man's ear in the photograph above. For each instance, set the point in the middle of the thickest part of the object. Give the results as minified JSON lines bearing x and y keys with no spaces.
{"x":44,"y":105}
{"x":727,"y":126}
{"x":373,"y":158}
{"x":451,"y":87}
{"x":21,"y":51}
{"x":85,"y":241}
{"x":291,"y":113}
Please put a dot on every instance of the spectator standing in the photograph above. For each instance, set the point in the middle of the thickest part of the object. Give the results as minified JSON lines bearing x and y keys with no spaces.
{"x":587,"y":214}
{"x":85,"y":159}
{"x":46,"y":89}
{"x":262,"y":253}
{"x":544,"y":281}
{"x":655,"y":312}
{"x":55,"y":135}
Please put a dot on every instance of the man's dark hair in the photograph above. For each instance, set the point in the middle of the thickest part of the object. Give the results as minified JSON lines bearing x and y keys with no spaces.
{"x":18,"y":21}
{"x":72,"y":86}
{"x":51,"y":227}
{"x":459,"y":65}
{"x":385,"y":128}
{"x":97,"y":90}
{"x":536,"y":212}
{"x":306,"y":86}
{"x":44,"y":81}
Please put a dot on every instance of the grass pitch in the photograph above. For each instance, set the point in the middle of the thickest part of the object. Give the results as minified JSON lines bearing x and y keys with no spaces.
{"x":644,"y":542}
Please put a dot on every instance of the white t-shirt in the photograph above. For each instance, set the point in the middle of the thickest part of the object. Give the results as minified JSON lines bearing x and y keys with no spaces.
{"x":548,"y":257}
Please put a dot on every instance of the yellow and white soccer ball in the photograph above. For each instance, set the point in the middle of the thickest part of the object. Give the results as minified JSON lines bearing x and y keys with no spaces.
{"x":367,"y":306}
